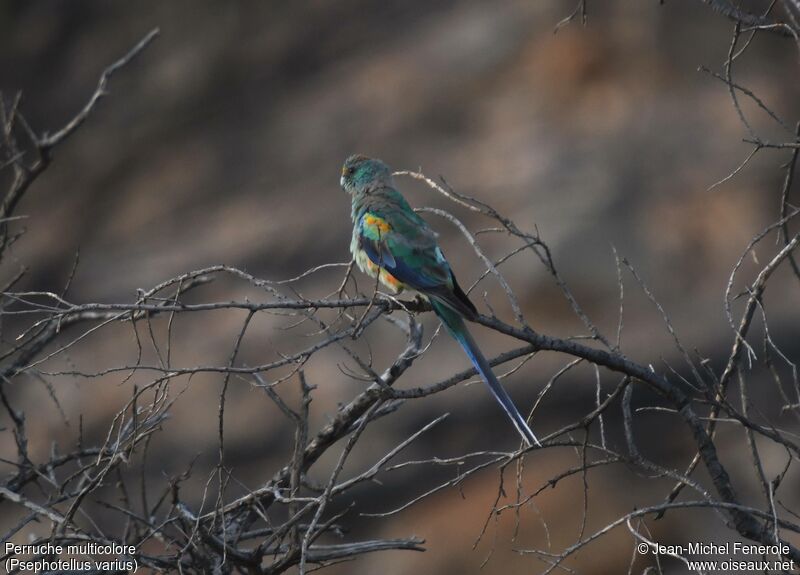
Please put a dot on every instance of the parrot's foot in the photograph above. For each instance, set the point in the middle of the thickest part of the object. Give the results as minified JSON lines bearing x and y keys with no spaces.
{"x":421,"y":303}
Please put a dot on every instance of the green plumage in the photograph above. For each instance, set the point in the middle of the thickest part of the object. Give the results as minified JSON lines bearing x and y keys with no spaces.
{"x":391,"y":242}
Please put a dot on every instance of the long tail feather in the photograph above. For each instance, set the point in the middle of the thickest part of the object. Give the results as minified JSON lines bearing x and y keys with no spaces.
{"x":458,"y":329}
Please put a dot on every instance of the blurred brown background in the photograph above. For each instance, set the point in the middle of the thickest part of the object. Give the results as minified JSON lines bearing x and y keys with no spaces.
{"x":223,"y":142}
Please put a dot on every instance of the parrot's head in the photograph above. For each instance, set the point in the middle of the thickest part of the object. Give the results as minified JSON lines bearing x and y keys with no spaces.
{"x":360,"y":174}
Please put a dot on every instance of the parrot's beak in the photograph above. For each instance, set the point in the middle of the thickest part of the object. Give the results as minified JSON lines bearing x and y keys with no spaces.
{"x":341,"y":182}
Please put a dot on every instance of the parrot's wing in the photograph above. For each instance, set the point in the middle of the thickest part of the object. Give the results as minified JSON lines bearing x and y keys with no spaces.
{"x":407,"y":248}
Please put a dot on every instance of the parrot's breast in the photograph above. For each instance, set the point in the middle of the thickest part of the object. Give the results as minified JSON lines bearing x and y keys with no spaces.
{"x":370,"y":268}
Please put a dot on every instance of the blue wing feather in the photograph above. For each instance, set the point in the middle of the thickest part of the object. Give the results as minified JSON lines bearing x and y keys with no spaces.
{"x":415,"y":277}
{"x":381,"y":256}
{"x":378,"y":252}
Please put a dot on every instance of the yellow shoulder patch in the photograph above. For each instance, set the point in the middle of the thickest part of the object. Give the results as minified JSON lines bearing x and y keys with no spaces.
{"x":378,"y":223}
